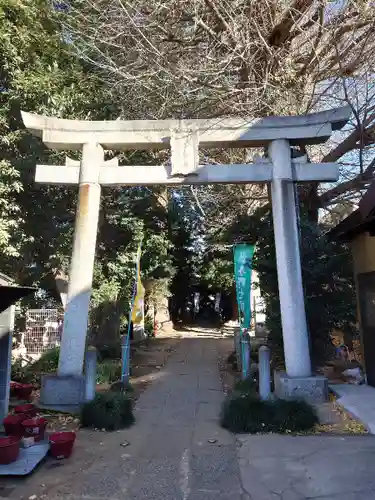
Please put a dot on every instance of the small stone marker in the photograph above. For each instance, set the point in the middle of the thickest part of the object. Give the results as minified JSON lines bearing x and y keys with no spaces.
{"x":264,"y":373}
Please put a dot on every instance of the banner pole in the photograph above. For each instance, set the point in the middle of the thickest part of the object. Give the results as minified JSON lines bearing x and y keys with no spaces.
{"x":125,"y":344}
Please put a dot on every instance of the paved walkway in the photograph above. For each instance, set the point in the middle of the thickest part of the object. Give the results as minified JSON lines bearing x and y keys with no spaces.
{"x":359,"y":401}
{"x":170,"y":456}
{"x":308,"y":467}
{"x":177,"y":451}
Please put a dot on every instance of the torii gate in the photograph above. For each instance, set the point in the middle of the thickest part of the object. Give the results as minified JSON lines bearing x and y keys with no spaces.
{"x":184,"y":137}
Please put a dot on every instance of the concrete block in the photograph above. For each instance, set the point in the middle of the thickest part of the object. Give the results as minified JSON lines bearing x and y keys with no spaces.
{"x":63,"y":390}
{"x":313,"y":389}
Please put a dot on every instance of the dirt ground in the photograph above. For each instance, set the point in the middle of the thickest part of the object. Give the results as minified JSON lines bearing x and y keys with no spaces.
{"x":147,"y":360}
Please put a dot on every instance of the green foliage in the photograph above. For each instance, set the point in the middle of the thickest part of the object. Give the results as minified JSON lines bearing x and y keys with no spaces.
{"x":247,"y":386}
{"x":328,"y":286}
{"x":254,"y":354}
{"x":185,"y":231}
{"x":42,"y":74}
{"x":149,"y":327}
{"x":10,"y":216}
{"x":129,"y":216}
{"x":21,"y":372}
{"x":31,"y":371}
{"x":246,"y":413}
{"x":124,"y":387}
{"x":39,"y":74}
{"x":327,"y":278}
{"x":110,"y":351}
{"x":48,"y":362}
{"x":108,"y":410}
{"x":217,"y":269}
{"x":108,"y":371}
{"x":294,"y":416}
{"x":232,"y":360}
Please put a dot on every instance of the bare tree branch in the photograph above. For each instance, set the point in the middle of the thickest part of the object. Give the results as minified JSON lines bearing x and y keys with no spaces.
{"x":203,"y":58}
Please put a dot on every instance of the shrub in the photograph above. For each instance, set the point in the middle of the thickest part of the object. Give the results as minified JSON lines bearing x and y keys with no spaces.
{"x":110,"y":351}
{"x":31,"y":372}
{"x":254,"y":354}
{"x":108,"y":371}
{"x":247,"y":386}
{"x":48,"y":362}
{"x":248,"y":414}
{"x":294,"y":415}
{"x":232,"y":360}
{"x":124,"y":387}
{"x":149,"y":327}
{"x":23,"y":373}
{"x":108,"y":410}
{"x":244,"y":413}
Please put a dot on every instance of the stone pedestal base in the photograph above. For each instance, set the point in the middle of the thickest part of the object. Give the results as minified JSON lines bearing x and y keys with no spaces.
{"x":59,"y":391}
{"x":314,"y":390}
{"x":139,"y":333}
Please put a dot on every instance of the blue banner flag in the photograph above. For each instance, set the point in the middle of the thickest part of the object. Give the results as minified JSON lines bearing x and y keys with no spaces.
{"x":243,"y":262}
{"x":243,"y":266}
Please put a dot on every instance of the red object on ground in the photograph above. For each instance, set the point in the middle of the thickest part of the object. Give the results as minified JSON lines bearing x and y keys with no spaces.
{"x":28,"y":409}
{"x":61,"y":444}
{"x":23,"y":391}
{"x":13,"y":388}
{"x":34,"y":427}
{"x":12,"y":424}
{"x":9,"y":449}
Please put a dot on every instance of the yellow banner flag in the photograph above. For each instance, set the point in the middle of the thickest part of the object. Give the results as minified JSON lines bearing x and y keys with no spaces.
{"x":138,"y":305}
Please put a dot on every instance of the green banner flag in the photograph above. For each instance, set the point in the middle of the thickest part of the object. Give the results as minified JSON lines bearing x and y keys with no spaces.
{"x":243,"y":259}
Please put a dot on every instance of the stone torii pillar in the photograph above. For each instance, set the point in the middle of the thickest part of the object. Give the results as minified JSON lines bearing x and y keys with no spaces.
{"x":73,"y":343}
{"x":183,"y":138}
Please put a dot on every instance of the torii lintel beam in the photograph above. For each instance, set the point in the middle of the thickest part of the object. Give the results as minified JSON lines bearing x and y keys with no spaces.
{"x":204,"y":174}
{"x":120,"y":135}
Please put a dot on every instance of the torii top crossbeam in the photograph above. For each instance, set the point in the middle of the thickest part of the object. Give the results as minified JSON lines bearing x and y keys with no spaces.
{"x":120,"y":135}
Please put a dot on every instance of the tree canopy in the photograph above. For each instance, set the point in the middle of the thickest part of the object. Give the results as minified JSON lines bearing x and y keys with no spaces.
{"x":109,"y":59}
{"x":207,"y":58}
{"x":40,"y":73}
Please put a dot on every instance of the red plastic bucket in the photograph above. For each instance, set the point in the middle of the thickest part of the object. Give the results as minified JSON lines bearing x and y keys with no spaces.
{"x":34,"y":427}
{"x":61,"y":444}
{"x":28,"y":409}
{"x":23,"y":391}
{"x":9,"y":449}
{"x":12,"y":424}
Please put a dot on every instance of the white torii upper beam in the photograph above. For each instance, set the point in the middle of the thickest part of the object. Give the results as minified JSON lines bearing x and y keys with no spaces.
{"x":123,"y":135}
